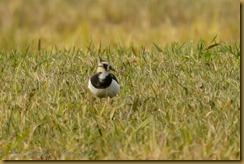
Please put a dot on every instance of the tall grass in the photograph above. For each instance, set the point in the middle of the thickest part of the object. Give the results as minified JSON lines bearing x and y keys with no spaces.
{"x":178,"y":64}
{"x":178,"y":101}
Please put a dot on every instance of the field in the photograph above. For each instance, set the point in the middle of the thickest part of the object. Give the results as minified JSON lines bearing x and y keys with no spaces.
{"x":180,"y":90}
{"x":64,"y":23}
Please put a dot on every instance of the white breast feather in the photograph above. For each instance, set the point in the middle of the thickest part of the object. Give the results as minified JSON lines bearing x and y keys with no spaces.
{"x":111,"y":91}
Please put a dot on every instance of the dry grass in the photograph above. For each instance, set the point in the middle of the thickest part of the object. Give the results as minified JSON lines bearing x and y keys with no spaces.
{"x":77,"y":23}
{"x":178,"y":100}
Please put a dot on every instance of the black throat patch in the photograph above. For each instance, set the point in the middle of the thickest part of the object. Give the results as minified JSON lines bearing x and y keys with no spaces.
{"x":101,"y":84}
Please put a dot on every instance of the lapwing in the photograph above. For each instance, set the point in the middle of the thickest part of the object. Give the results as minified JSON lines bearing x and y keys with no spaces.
{"x":103,"y":83}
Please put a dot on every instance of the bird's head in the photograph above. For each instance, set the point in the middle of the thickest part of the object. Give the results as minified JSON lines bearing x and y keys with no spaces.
{"x":104,"y":65}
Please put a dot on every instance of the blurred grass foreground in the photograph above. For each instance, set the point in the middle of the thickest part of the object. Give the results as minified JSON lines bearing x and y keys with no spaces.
{"x":65,"y":23}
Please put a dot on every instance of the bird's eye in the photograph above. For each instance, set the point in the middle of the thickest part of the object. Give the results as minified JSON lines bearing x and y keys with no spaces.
{"x":105,"y":66}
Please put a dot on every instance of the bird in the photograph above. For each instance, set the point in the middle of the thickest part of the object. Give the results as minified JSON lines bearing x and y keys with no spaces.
{"x":103,"y":83}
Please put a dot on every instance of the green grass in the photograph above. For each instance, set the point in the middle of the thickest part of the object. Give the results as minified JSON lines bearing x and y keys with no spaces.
{"x":179,"y":98}
{"x":177,"y":101}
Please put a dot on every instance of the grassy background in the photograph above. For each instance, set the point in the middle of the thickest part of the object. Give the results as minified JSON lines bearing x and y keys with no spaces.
{"x":191,"y":110}
{"x":178,"y":100}
{"x":77,"y":23}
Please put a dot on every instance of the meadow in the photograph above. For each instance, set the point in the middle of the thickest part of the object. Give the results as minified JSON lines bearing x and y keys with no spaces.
{"x":180,"y":90}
